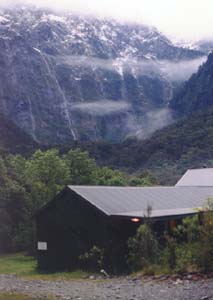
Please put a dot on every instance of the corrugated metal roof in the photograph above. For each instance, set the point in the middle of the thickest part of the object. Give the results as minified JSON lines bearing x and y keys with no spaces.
{"x":197,"y":177}
{"x":161,"y":212}
{"x":134,"y":201}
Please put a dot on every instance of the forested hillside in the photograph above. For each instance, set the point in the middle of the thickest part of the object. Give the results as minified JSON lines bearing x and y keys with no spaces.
{"x":197,"y":93}
{"x":13,"y":139}
{"x":167,"y":153}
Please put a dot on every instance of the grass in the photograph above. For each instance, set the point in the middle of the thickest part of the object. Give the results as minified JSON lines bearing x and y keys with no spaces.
{"x":18,"y":264}
{"x":15,"y":296}
{"x":7,"y":296}
{"x":25,"y":266}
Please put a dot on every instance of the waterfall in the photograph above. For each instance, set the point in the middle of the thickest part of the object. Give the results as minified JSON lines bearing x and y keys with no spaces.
{"x":32,"y":119}
{"x":65,"y":102}
{"x":119,"y":66}
{"x":79,"y":90}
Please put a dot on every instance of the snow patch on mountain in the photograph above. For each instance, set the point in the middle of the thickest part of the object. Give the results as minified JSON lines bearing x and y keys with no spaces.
{"x":3,"y":20}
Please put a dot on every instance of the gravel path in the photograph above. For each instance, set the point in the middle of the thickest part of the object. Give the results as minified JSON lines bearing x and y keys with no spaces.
{"x":118,"y":288}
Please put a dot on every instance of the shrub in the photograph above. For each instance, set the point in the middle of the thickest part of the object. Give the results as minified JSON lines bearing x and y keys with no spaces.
{"x":171,"y":256}
{"x":143,"y":248}
{"x":189,"y":231}
{"x":206,"y":240}
{"x":93,"y":260}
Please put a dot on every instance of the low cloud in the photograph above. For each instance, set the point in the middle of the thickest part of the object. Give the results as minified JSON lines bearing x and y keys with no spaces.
{"x":101,"y":108}
{"x":182,"y":70}
{"x":152,"y":121}
{"x":88,"y":61}
{"x":142,"y":129}
{"x":174,"y":71}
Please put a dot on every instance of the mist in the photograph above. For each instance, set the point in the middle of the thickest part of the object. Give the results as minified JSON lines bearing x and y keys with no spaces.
{"x":151,"y":121}
{"x":188,"y":20}
{"x":174,"y":71}
{"x":101,"y":108}
{"x":182,"y":70}
{"x":141,"y":129}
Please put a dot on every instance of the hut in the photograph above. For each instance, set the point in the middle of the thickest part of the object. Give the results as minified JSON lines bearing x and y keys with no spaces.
{"x":197,"y":177}
{"x":81,"y":217}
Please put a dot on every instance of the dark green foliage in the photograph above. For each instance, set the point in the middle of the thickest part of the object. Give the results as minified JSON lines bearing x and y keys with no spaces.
{"x":82,"y":167}
{"x":186,"y":248}
{"x":181,"y":250}
{"x":206,"y":239}
{"x":171,"y":252}
{"x":109,"y":177}
{"x":11,"y":208}
{"x":143,"y":248}
{"x":189,"y":230}
{"x":144,"y":179}
{"x":93,"y":260}
{"x":194,"y":243}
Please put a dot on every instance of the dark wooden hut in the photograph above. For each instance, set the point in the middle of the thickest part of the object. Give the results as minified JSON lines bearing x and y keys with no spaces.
{"x":81,"y":217}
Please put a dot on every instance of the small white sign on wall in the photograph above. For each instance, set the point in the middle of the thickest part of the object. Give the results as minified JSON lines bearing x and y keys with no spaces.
{"x":42,"y":246}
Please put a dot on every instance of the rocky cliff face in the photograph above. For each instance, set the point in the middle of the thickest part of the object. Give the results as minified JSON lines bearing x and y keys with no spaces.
{"x":64,"y":77}
{"x":197,"y":92}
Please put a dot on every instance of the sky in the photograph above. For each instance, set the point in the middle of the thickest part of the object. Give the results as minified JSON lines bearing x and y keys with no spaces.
{"x":181,"y":19}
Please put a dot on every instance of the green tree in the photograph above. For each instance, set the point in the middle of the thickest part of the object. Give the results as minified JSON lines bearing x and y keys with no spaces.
{"x":16,"y":167}
{"x":46,"y":174}
{"x":31,"y":184}
{"x":144,"y":179}
{"x":12,"y":209}
{"x":82,"y":168}
{"x":109,"y":177}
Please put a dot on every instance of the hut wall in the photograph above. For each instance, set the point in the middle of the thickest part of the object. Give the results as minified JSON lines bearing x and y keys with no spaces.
{"x":70,"y":226}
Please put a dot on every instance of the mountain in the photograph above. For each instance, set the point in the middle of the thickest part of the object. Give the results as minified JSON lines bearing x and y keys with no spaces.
{"x":13,"y":139}
{"x":197,"y":93}
{"x":65,"y":77}
{"x":204,"y":46}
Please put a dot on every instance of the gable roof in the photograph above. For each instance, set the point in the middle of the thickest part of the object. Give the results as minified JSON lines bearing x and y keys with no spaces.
{"x":197,"y":177}
{"x":134,"y":201}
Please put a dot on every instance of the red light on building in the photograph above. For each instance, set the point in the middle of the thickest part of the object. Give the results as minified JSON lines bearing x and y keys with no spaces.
{"x":135,"y":220}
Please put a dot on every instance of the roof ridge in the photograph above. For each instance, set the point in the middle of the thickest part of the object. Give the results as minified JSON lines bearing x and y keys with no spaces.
{"x":118,"y":187}
{"x":200,"y":169}
{"x":138,"y":187}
